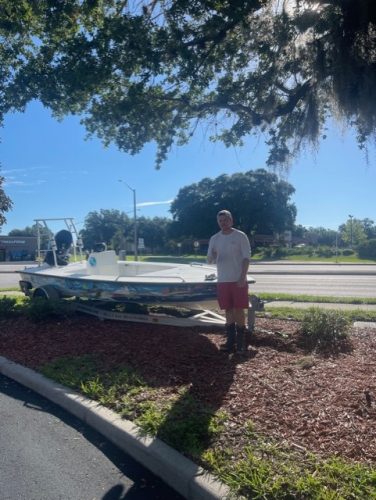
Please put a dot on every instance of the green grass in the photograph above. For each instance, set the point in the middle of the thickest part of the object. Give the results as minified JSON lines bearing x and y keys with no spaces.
{"x":261,"y":469}
{"x":268,"y":471}
{"x":297,"y":314}
{"x":290,"y":312}
{"x":273,"y":297}
{"x":178,"y":419}
{"x":184,"y":259}
{"x":340,"y":259}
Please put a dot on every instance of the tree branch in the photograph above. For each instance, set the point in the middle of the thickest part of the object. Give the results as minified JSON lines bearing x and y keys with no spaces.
{"x":290,"y":104}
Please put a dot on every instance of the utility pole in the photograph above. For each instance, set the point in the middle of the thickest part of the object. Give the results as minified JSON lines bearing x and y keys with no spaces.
{"x":351,"y":230}
{"x":135,"y":237}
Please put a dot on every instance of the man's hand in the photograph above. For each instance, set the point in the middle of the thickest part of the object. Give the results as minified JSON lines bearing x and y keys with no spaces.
{"x":242,"y":282}
{"x":212,"y":258}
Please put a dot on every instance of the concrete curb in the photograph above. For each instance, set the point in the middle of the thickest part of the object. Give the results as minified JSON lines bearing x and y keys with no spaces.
{"x":187,"y":478}
{"x":365,"y":324}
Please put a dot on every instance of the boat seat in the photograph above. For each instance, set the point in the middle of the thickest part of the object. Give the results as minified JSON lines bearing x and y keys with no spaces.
{"x":103,"y":263}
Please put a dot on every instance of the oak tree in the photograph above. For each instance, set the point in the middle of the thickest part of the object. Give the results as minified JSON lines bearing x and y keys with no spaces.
{"x":259,"y":201}
{"x":5,"y":203}
{"x":102,"y":226}
{"x":154,"y":70}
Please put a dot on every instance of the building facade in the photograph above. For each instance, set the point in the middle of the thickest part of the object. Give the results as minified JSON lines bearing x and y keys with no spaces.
{"x":17,"y":248}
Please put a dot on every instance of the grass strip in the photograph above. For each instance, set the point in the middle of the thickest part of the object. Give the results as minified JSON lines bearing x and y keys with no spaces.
{"x":297,"y":314}
{"x":274,"y":297}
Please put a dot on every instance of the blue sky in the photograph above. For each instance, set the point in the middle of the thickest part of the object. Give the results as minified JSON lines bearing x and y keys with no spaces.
{"x":51,"y":171}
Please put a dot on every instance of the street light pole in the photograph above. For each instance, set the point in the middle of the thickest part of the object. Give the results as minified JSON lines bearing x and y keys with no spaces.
{"x":351,"y":230}
{"x":134,"y":219}
{"x":336,"y":246}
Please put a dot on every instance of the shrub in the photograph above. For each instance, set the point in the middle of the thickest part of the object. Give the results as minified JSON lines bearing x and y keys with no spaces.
{"x":40,"y":309}
{"x":347,"y":252}
{"x":367,"y":250}
{"x":275,"y":252}
{"x":300,"y":250}
{"x":8,"y":307}
{"x":324,"y":329}
{"x":268,"y":252}
{"x":324,"y":251}
{"x":280,"y":252}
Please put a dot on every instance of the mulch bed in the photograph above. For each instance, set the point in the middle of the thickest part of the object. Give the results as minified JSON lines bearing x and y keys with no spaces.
{"x":321,"y":403}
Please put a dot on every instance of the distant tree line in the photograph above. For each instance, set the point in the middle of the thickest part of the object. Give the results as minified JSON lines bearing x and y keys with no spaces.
{"x":259,"y":200}
{"x":352,"y":233}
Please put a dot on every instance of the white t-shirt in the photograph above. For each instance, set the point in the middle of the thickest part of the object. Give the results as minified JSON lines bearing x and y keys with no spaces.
{"x":231,"y":250}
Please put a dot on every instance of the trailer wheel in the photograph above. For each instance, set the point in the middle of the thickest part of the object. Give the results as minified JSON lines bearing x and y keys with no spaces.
{"x":47,"y":292}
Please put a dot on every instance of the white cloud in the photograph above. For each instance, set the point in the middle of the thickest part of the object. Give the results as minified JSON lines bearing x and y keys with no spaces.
{"x":152,"y":203}
{"x":10,"y":181}
{"x":82,"y":172}
{"x":24,"y":170}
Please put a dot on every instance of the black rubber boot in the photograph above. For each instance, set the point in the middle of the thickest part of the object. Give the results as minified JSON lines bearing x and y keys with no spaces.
{"x":229,"y":346}
{"x":241,"y":339}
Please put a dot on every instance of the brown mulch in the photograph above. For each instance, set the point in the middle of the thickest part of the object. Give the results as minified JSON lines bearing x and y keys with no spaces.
{"x":321,"y":403}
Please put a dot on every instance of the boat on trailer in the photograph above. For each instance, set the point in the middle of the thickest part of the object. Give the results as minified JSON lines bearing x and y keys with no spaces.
{"x":102,"y":276}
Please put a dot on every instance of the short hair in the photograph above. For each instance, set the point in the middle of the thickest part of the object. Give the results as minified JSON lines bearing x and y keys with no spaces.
{"x":225,"y":212}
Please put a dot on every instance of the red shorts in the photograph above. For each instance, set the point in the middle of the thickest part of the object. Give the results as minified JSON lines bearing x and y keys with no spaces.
{"x":232,"y":296}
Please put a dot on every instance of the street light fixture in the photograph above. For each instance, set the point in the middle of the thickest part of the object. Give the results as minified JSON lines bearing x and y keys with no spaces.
{"x":351,"y":230}
{"x":134,"y":219}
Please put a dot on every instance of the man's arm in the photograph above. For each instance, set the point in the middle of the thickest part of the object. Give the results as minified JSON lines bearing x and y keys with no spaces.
{"x":246,"y":250}
{"x":211,"y":259}
{"x":212,"y":254}
{"x":243,"y":277}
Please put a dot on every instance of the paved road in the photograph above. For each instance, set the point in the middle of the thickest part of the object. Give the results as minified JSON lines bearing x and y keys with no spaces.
{"x":322,"y":285}
{"x":6,"y":267}
{"x":46,"y":453}
{"x":286,"y":267}
{"x":339,"y":280}
{"x":8,"y":278}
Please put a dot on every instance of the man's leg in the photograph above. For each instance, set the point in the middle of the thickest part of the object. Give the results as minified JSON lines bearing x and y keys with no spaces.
{"x":230,"y":332}
{"x":230,"y":316}
{"x":241,"y":334}
{"x":225,"y":302}
{"x":239,"y":316}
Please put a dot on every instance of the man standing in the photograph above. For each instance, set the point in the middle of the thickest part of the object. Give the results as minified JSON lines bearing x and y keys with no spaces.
{"x":230,"y":250}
